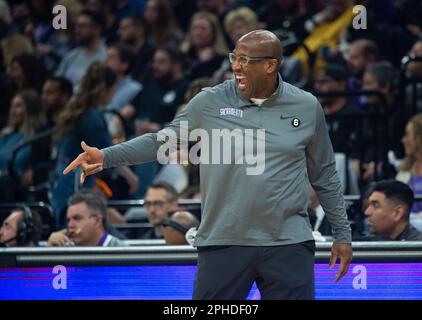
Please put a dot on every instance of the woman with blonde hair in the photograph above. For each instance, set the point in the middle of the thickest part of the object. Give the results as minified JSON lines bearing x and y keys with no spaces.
{"x":204,"y":45}
{"x":411,"y":168}
{"x":81,"y":120}
{"x":239,"y":22}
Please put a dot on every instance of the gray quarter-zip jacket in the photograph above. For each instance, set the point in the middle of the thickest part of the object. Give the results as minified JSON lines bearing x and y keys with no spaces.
{"x":267,"y":207}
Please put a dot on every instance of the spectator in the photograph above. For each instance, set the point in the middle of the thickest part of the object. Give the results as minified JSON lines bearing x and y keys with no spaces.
{"x":287,"y":17}
{"x":218,"y":8}
{"x":21,"y":228}
{"x":108,"y":10}
{"x":61,"y":41}
{"x":176,"y":227}
{"x":411,"y":168}
{"x":27,"y":72}
{"x":362,"y":52}
{"x":204,"y":45}
{"x":119,"y":59}
{"x":382,"y":77}
{"x":163,"y":24}
{"x":341,"y":117}
{"x":388,"y":212}
{"x":86,"y":223}
{"x":14,"y":45}
{"x":133,"y":32}
{"x":237,"y":23}
{"x":81,"y":120}
{"x":88,"y":32}
{"x":56,"y":93}
{"x":25,"y":118}
{"x":160,"y":201}
{"x":157,"y":103}
{"x":414,"y":71}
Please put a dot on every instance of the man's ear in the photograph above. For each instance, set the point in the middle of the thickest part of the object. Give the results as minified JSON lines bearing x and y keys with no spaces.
{"x":272,"y":66}
{"x":399,"y":212}
{"x":98,"y":219}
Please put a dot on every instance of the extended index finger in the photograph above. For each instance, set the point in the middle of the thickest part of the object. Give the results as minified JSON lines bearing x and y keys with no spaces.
{"x":75,"y":163}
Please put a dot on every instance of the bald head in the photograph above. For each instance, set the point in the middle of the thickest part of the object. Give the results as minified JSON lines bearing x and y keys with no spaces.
{"x":181,"y":221}
{"x":185,"y":218}
{"x":264,"y":43}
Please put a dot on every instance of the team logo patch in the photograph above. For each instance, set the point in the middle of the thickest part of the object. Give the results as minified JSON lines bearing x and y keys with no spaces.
{"x":231,"y":112}
{"x":295,"y":122}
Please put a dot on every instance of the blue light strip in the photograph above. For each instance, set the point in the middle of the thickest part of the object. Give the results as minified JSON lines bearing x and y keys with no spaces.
{"x":368,"y":281}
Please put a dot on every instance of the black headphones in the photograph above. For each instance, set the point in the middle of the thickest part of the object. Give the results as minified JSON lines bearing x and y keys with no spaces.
{"x":175,"y":225}
{"x":25,"y":226}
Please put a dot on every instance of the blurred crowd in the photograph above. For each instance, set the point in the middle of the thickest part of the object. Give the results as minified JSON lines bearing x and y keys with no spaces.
{"x":122,"y":68}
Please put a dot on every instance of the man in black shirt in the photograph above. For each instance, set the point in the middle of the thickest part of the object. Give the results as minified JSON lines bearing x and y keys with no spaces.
{"x":388,"y":212}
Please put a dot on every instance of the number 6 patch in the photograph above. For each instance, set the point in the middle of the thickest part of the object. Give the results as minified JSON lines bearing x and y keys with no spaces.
{"x":295,"y":122}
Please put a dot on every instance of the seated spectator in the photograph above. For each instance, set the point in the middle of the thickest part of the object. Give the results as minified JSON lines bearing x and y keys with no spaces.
{"x":56,"y":93}
{"x":81,"y":120}
{"x":14,"y":45}
{"x":157,"y":103}
{"x":59,"y":42}
{"x":160,"y":201}
{"x":388,"y":212}
{"x":108,"y":10}
{"x":414,"y":69}
{"x":86,"y":223}
{"x":362,"y":52}
{"x":287,"y":18}
{"x":411,"y":168}
{"x":88,"y":32}
{"x":119,"y":59}
{"x":176,"y":227}
{"x":27,"y":72}
{"x":21,"y":228}
{"x":341,"y":117}
{"x":382,"y":77}
{"x":204,"y":45}
{"x":413,"y":91}
{"x":237,"y":23}
{"x":134,"y":32}
{"x":25,"y":118}
{"x":163,"y":24}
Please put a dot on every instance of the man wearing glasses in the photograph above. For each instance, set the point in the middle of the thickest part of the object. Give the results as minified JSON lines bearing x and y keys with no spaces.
{"x":160,"y":200}
{"x":254,"y":227}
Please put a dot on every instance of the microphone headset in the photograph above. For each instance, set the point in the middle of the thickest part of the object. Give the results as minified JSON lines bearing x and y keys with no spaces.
{"x":24,"y":228}
{"x":175,"y":225}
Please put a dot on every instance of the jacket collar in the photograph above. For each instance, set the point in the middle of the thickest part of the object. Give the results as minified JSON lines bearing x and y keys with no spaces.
{"x":243,"y":102}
